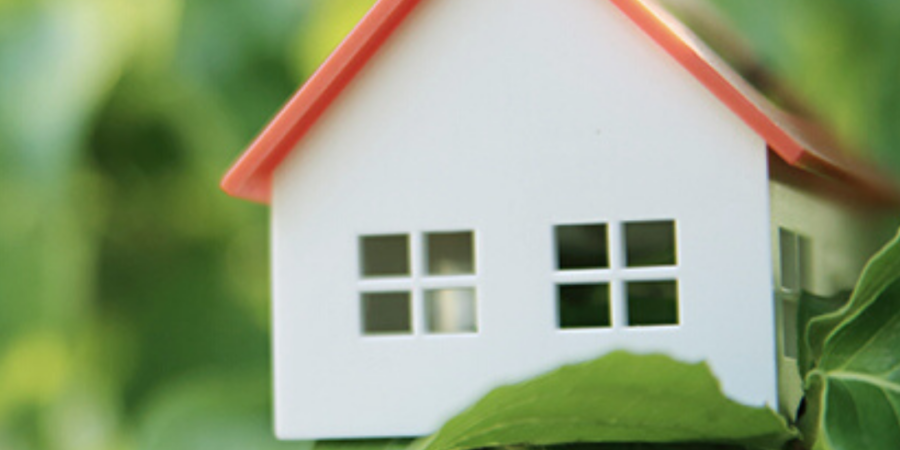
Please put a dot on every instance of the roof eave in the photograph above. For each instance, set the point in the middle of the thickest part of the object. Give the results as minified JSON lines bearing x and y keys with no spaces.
{"x":250,"y":177}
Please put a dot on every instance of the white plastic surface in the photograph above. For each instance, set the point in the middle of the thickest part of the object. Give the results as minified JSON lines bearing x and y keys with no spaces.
{"x":509,"y":117}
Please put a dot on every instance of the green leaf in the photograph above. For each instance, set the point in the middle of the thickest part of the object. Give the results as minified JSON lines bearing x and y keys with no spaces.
{"x":644,"y":447}
{"x":619,"y":398}
{"x":369,"y":444}
{"x":812,"y":306}
{"x":881,"y":271}
{"x":853,"y":392}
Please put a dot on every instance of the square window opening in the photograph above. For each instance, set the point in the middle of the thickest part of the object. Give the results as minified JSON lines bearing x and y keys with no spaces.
{"x":386,"y":313}
{"x":582,"y":247}
{"x":790,"y":343}
{"x":649,"y":244}
{"x":789,"y":253}
{"x":652,"y":303}
{"x":451,"y":253}
{"x":385,"y":256}
{"x":451,"y":311}
{"x":794,"y":258}
{"x":583,"y":306}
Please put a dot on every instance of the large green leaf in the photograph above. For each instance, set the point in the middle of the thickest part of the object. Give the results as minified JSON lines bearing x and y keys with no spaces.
{"x":640,"y":446}
{"x":618,"y":398}
{"x":364,"y":444}
{"x":881,"y":271}
{"x":812,"y":307}
{"x":853,"y":392}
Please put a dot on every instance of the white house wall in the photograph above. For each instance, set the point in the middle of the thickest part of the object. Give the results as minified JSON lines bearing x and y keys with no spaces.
{"x":508,"y":117}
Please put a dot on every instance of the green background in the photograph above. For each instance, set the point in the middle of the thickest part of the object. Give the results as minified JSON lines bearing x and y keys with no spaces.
{"x":134,"y":302}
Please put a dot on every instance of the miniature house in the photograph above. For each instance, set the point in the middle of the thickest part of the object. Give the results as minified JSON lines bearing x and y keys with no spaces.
{"x":469,"y":193}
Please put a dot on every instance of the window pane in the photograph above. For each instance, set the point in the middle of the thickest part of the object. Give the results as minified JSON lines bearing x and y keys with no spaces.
{"x":789,"y":328}
{"x":451,"y":253}
{"x":386,"y":313}
{"x":451,"y":310}
{"x":583,"y":305}
{"x":384,"y":256}
{"x":582,"y":247}
{"x":790,"y":260}
{"x":650,"y":243}
{"x":804,"y":247}
{"x":652,"y":303}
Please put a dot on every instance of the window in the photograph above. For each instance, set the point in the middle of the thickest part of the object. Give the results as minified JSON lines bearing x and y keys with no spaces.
{"x":450,"y":254}
{"x":418,"y":283}
{"x":652,"y":303}
{"x":791,"y":344}
{"x":450,"y":310}
{"x":386,"y":312}
{"x":582,"y":247}
{"x":584,"y":305}
{"x":794,"y":260}
{"x":616,"y":274}
{"x":385,"y":256}
{"x":649,"y":244}
{"x":793,"y":279}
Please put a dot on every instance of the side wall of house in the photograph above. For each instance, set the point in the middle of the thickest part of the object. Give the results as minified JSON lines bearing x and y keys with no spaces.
{"x":508,"y":118}
{"x":833,"y":238}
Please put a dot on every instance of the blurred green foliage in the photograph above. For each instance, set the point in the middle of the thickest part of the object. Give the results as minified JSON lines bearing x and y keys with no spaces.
{"x":842,"y":58}
{"x":133,"y":293}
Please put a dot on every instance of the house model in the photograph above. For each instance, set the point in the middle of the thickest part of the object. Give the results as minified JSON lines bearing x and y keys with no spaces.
{"x":468,"y":193}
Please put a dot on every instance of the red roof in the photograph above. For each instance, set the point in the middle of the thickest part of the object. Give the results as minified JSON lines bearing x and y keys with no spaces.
{"x":798,"y":143}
